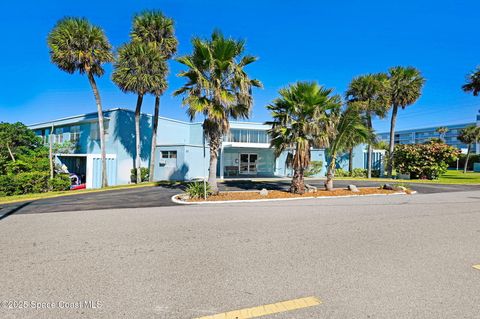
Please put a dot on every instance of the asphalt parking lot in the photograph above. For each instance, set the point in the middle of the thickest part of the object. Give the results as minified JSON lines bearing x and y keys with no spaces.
{"x":160,"y":196}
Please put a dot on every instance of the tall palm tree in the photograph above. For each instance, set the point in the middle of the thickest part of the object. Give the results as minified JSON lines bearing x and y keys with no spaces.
{"x":469,"y":135}
{"x":300,"y":123}
{"x":473,"y":82}
{"x":442,"y":130}
{"x":406,"y":85}
{"x":139,"y":69}
{"x":218,"y":87}
{"x":77,"y":45}
{"x":347,"y":126}
{"x":155,"y":28}
{"x":370,"y":93}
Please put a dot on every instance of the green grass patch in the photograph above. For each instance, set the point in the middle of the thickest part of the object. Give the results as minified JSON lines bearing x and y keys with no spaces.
{"x":450,"y":177}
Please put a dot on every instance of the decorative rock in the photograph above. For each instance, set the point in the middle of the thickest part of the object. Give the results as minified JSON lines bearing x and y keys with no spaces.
{"x":388,"y":187}
{"x":310,"y":188}
{"x":353,"y":188}
{"x":264,"y":192}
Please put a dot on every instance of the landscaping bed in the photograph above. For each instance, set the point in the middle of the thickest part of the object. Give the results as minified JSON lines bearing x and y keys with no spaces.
{"x":276,"y":194}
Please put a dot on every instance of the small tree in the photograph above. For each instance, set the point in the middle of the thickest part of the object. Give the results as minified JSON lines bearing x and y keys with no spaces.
{"x":424,"y":161}
{"x":300,"y":122}
{"x":371,"y":94}
{"x":469,"y":135}
{"x":347,"y":128}
{"x":77,"y":45}
{"x":442,"y":130}
{"x":473,"y":82}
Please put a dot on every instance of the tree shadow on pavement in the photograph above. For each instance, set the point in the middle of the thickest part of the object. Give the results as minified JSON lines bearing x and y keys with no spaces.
{"x":7,"y":211}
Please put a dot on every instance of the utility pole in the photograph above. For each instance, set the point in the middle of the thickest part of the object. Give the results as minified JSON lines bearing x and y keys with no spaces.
{"x":50,"y":153}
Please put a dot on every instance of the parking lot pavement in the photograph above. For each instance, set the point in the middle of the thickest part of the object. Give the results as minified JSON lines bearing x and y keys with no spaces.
{"x":125,"y":198}
{"x":161,"y":196}
{"x":368,"y":257}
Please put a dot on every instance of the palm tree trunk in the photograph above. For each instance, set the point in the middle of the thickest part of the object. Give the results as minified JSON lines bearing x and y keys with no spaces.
{"x":137,"y":137}
{"x":392,"y":141}
{"x":370,"y":149}
{"x":151,"y":170}
{"x":350,"y":161}
{"x":214,"y":142}
{"x":98,"y":101}
{"x":298,"y":181}
{"x":10,"y":152}
{"x":330,"y":174}
{"x":466,"y":160}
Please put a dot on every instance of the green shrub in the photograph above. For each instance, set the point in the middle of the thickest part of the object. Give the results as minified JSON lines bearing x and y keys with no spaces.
{"x":59,"y":183}
{"x":424,"y":161}
{"x":314,"y":168}
{"x":31,"y":182}
{"x":340,"y":172}
{"x":144,"y":174}
{"x":197,"y":190}
{"x":359,"y":172}
{"x":7,"y":184}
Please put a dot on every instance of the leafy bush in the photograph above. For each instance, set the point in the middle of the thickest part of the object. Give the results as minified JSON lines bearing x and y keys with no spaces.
{"x":144,"y":174}
{"x":32,"y":182}
{"x":59,"y":183}
{"x":197,"y":190}
{"x":314,"y":168}
{"x":340,"y":172}
{"x":359,"y":172}
{"x":424,"y":161}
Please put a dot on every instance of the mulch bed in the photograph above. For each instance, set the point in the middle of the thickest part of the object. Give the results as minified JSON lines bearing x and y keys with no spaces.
{"x":250,"y":195}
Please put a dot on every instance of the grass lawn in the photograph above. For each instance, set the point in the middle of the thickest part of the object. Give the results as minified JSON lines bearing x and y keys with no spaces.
{"x":450,"y":177}
{"x":26,"y":197}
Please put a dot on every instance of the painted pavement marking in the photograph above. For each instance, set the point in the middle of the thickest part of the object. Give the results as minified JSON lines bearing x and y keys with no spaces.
{"x":269,"y":309}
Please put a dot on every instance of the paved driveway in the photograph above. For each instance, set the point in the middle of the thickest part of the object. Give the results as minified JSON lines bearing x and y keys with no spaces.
{"x":160,"y":196}
{"x":371,"y":257}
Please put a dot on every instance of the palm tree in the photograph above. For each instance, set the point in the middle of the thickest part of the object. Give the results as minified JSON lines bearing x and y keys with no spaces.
{"x":442,"y":130}
{"x":370,"y":93}
{"x":347,"y":126}
{"x":473,"y":82}
{"x":139,"y":69}
{"x":218,"y":87}
{"x":77,"y":45}
{"x":155,"y":28}
{"x":406,"y":85}
{"x":469,"y":135}
{"x":300,"y":123}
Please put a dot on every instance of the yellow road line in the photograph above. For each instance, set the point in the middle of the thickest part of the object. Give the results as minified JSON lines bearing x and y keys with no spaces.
{"x":267,"y":309}
{"x":476,"y":267}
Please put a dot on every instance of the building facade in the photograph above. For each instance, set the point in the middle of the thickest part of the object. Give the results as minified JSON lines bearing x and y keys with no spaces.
{"x":181,"y":151}
{"x":422,"y":135}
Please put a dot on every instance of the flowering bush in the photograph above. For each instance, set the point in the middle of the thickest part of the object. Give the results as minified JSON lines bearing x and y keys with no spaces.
{"x":424,"y":161}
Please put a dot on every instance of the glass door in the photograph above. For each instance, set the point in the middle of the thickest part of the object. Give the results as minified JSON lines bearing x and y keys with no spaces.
{"x":248,"y":164}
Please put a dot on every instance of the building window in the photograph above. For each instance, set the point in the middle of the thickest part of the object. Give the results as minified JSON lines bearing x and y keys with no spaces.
{"x":58,"y":135}
{"x":169,"y":154}
{"x":75,"y":134}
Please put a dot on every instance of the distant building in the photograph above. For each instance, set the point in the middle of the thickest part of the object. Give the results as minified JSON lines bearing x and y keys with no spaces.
{"x":422,"y":135}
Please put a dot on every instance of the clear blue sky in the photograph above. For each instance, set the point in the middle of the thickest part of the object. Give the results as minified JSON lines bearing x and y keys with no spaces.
{"x":327,"y":41}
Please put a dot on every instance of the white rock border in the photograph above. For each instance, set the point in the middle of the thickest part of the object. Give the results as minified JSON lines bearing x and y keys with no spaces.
{"x":178,"y":201}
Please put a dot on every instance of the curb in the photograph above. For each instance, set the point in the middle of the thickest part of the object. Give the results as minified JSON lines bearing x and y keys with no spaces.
{"x":181,"y":202}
